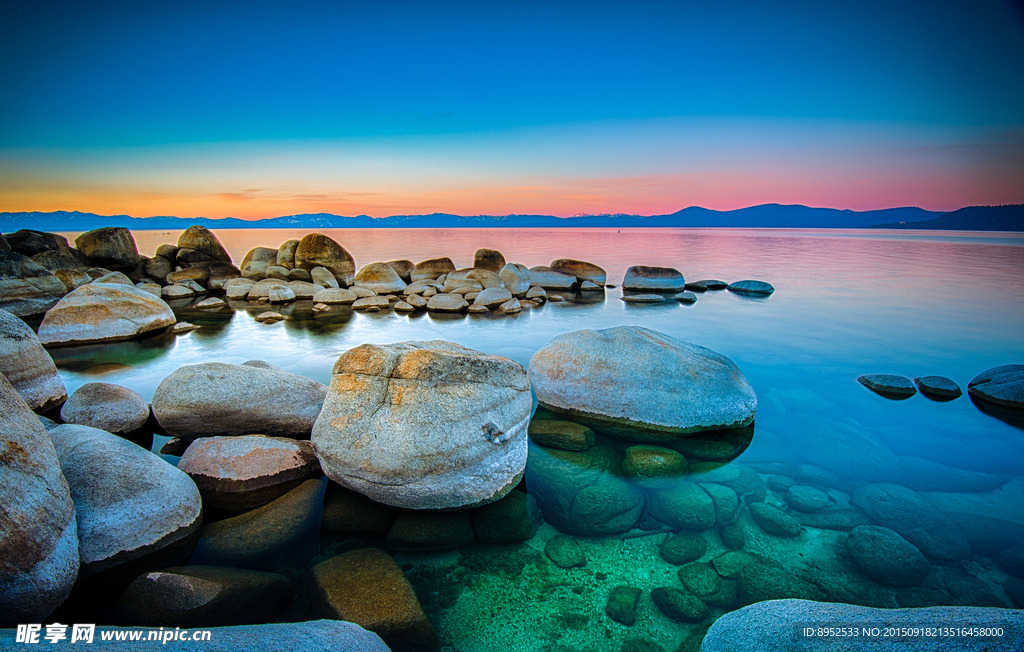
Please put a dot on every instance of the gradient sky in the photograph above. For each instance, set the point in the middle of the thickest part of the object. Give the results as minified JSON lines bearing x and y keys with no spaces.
{"x":257,"y":109}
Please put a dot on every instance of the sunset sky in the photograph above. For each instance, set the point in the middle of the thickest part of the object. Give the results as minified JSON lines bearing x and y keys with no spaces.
{"x":258,"y":110}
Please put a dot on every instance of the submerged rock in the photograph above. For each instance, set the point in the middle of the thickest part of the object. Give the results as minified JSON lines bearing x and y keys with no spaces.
{"x":643,"y":298}
{"x":565,"y":552}
{"x":774,"y":521}
{"x":26,"y":287}
{"x":214,"y":398}
{"x":685,"y":505}
{"x":653,"y":466}
{"x":513,"y":518}
{"x":889,"y":385}
{"x":430,"y":531}
{"x":621,"y":605}
{"x":886,"y":557}
{"x":129,"y":502}
{"x":605,"y":376}
{"x":755,"y":288}
{"x":424,"y":425}
{"x":558,"y":433}
{"x":683,"y":548}
{"x":913,"y":517}
{"x":447,"y":303}
{"x":938,"y":388}
{"x":27,"y":365}
{"x":679,"y":605}
{"x":656,"y":279}
{"x":348,"y":512}
{"x":39,"y":537}
{"x":116,"y":409}
{"x":104,"y":312}
{"x":1002,"y":386}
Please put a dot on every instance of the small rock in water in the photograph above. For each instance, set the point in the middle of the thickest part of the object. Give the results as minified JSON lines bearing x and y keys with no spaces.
{"x":685,"y":297}
{"x":621,"y":605}
{"x":886,"y":557}
{"x":890,"y":386}
{"x":510,"y":307}
{"x":321,"y":307}
{"x":368,"y":303}
{"x":679,"y":605}
{"x":775,"y":521}
{"x":183,"y":327}
{"x":653,"y":467}
{"x":211,"y":303}
{"x":281,"y":294}
{"x":756,"y":288}
{"x":806,"y":499}
{"x":938,"y":388}
{"x":683,"y":548}
{"x":565,"y":551}
{"x":477,"y":309}
{"x":269,"y":317}
{"x":657,"y":279}
{"x":403,"y":306}
{"x":555,"y":298}
{"x":643,"y":298}
{"x":557,"y":433}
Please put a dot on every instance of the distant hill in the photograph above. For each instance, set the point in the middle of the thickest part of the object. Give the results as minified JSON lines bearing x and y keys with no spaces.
{"x":1009,"y":217}
{"x":1003,"y":218}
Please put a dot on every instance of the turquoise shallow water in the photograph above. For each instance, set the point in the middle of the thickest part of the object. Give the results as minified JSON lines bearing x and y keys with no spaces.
{"x":846,"y":303}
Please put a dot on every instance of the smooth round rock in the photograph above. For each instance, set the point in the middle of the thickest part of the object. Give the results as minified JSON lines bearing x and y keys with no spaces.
{"x":653,"y":466}
{"x":238,"y":288}
{"x":422,"y":531}
{"x":886,"y":557}
{"x":211,"y":303}
{"x":424,"y":425}
{"x":683,"y":548}
{"x":492,"y":297}
{"x":286,"y":253}
{"x":279,"y":272}
{"x":111,"y":246}
{"x":380,"y":278}
{"x":26,"y":287}
{"x":511,"y":519}
{"x":806,"y":499}
{"x":643,"y":298}
{"x":317,"y":250}
{"x":516,"y":278}
{"x":705,"y":285}
{"x":551,"y":279}
{"x":447,"y":303}
{"x":938,"y":388}
{"x":256,"y":261}
{"x":685,"y":297}
{"x":679,"y":605}
{"x":774,"y":521}
{"x":335,"y":296}
{"x":488,"y":259}
{"x":606,"y":376}
{"x":281,"y":294}
{"x":558,"y":433}
{"x":27,"y":365}
{"x":431,"y":269}
{"x":581,"y":270}
{"x":653,"y":279}
{"x":323,"y":276}
{"x":510,"y":307}
{"x":113,"y":408}
{"x":104,"y":312}
{"x":889,"y":385}
{"x":565,"y":552}
{"x":269,"y":317}
{"x":304,"y":289}
{"x":1002,"y":386}
{"x":368,"y":303}
{"x":685,"y":506}
{"x":115,"y":277}
{"x":755,"y":288}
{"x":622,"y":603}
{"x":201,"y":239}
{"x":304,"y":276}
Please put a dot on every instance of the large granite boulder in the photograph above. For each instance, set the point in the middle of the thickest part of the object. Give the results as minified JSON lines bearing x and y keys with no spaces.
{"x":424,"y":425}
{"x":489,"y":259}
{"x":215,"y":398}
{"x":203,"y":596}
{"x":286,"y":254}
{"x":492,"y":297}
{"x":431,"y":269}
{"x":605,"y":377}
{"x":1001,"y":386}
{"x":447,"y":303}
{"x":57,"y":259}
{"x":26,"y":287}
{"x":256,"y":261}
{"x":201,"y":239}
{"x":104,"y":312}
{"x":112,"y":247}
{"x":379,"y":277}
{"x":545,"y":277}
{"x":516,"y":278}
{"x":485,"y":277}
{"x":32,"y":243}
{"x":317,"y":250}
{"x":129,"y":502}
{"x":914,"y":518}
{"x":653,"y":279}
{"x":244,"y":472}
{"x":116,"y":409}
{"x":368,"y":588}
{"x":780,"y":626}
{"x":580,"y":270}
{"x":39,"y":536}
{"x":311,"y":636}
{"x":27,"y":365}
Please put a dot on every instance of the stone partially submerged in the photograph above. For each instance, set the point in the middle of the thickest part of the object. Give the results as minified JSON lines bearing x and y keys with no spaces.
{"x":1001,"y":386}
{"x":424,"y":425}
{"x":604,"y":377}
{"x":26,"y":287}
{"x":27,"y":365}
{"x":653,"y":279}
{"x":104,"y":312}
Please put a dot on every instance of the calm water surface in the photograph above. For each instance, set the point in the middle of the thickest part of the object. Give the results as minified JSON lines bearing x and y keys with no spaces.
{"x":846,"y":303}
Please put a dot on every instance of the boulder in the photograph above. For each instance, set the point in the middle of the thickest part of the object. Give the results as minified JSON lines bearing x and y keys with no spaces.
{"x":685,"y":297}
{"x":447,"y":303}
{"x":430,"y":531}
{"x":261,"y":289}
{"x":653,"y":467}
{"x":211,"y":303}
{"x":38,"y":537}
{"x":914,"y":518}
{"x":380,"y":278}
{"x":683,"y":548}
{"x":203,"y":240}
{"x":280,"y":294}
{"x":886,"y":557}
{"x":334,"y":296}
{"x":761,"y":580}
{"x":679,"y":605}
{"x":753,"y":288}
{"x":774,"y":521}
{"x":286,"y":254}
{"x":643,"y":298}
{"x":284,"y":532}
{"x":938,"y":388}
{"x":424,"y":425}
{"x":368,"y":588}
{"x":565,"y":552}
{"x":323,"y":276}
{"x":255,"y":263}
{"x":129,"y":502}
{"x":371,"y":303}
{"x":26,"y":287}
{"x":403,"y":268}
{"x":304,"y":289}
{"x":621,"y":605}
{"x":511,"y":519}
{"x":303,"y":275}
{"x":72,"y":278}
{"x":431,"y":269}
{"x":777,"y":626}
{"x":203,"y":596}
{"x":492,"y":297}
{"x":244,"y":472}
{"x":172,"y":292}
{"x":31,"y":243}
{"x":348,"y":512}
{"x":116,"y":409}
{"x":27,"y":365}
{"x":115,"y":277}
{"x":4,"y":245}
{"x":159,"y":267}
{"x":317,"y":250}
{"x":278,"y":272}
{"x":536,"y":294}
{"x":889,"y":385}
{"x":1001,"y":386}
{"x":197,"y":274}
{"x":488,"y":259}
{"x":214,"y":398}
{"x":112,"y":247}
{"x":653,"y":279}
{"x":685,"y":506}
{"x":54,"y":260}
{"x":990,"y":520}
{"x":604,"y":377}
{"x":403,"y":306}
{"x":104,"y":312}
{"x":580,"y":270}
{"x":416,"y":301}
{"x":803,"y":498}
{"x":269,"y":317}
{"x":558,"y":433}
{"x":545,"y":277}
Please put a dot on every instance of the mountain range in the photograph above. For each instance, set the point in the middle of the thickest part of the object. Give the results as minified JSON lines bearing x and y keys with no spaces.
{"x":982,"y":218}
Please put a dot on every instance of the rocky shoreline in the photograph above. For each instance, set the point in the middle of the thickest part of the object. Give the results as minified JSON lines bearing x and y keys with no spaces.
{"x":294,"y":501}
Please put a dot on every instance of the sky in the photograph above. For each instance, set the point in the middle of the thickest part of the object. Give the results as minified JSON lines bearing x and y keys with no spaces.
{"x":258,"y":109}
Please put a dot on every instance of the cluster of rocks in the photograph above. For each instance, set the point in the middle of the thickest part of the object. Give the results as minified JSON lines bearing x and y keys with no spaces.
{"x":649,"y":285}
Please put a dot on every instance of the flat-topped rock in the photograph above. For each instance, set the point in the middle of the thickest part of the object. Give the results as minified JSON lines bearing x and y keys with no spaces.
{"x":335,"y":296}
{"x":558,"y":433}
{"x":447,"y":303}
{"x":379,"y":277}
{"x":39,"y":537}
{"x":656,"y":279}
{"x":581,"y":270}
{"x":317,"y":250}
{"x":604,"y":377}
{"x":424,"y":425}
{"x":753,"y":288}
{"x":112,"y":247}
{"x":705,"y":285}
{"x":280,"y":294}
{"x":104,"y":312}
{"x":938,"y":388}
{"x":246,"y":471}
{"x":685,"y":297}
{"x":214,"y":398}
{"x":261,"y":289}
{"x":370,"y":303}
{"x":551,"y":279}
{"x":492,"y":297}
{"x":116,"y":409}
{"x":211,"y":303}
{"x":27,"y":365}
{"x":889,"y":385}
{"x":1002,"y":386}
{"x":643,"y":298}
{"x":128,"y":501}
{"x":431,"y":269}
{"x":26,"y":287}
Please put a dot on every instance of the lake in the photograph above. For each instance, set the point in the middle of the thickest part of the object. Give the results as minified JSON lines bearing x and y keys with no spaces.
{"x":847,"y":303}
